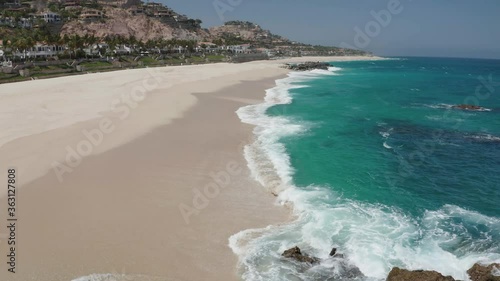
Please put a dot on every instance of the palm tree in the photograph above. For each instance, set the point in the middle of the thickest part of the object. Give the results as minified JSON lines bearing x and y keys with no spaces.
{"x":92,"y":41}
{"x":23,"y":44}
{"x":75,"y":43}
{"x":6,"y":43}
{"x":132,"y":42}
{"x":112,"y":43}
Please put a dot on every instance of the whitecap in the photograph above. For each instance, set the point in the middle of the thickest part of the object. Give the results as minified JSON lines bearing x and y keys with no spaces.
{"x":334,"y":68}
{"x":485,"y":138}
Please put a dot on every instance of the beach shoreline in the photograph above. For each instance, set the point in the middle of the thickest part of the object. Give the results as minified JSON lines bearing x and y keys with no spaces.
{"x":158,"y":195}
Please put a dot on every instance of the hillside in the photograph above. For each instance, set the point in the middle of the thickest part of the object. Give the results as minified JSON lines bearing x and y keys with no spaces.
{"x":246,"y":32}
{"x":121,"y":22}
{"x":48,"y":21}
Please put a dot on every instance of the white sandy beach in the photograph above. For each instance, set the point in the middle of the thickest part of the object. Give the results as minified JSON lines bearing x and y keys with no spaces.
{"x":109,"y":166}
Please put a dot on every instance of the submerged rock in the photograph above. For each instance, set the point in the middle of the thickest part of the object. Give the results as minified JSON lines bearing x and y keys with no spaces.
{"x":296,"y":254}
{"x":398,"y":274}
{"x":484,"y":272}
{"x":468,"y":107}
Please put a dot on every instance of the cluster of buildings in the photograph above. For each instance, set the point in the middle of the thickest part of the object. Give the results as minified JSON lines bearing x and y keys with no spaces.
{"x":31,"y":20}
{"x":92,"y":10}
{"x":164,"y":14}
{"x":89,"y":11}
{"x":41,"y":50}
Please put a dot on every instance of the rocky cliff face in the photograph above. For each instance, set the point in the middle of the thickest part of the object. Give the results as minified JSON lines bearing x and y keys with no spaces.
{"x":120,"y":22}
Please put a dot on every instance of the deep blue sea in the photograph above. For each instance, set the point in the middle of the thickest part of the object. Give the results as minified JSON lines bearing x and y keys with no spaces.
{"x":374,"y":160}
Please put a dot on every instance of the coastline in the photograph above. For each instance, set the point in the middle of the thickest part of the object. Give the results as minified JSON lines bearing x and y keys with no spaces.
{"x":118,"y":210}
{"x":260,"y":249}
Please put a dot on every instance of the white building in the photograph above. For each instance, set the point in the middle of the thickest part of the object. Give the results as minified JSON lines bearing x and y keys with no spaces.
{"x":238,"y":49}
{"x":50,"y":17}
{"x":25,"y":23}
{"x":209,"y":47}
{"x":39,"y":51}
{"x":123,"y":49}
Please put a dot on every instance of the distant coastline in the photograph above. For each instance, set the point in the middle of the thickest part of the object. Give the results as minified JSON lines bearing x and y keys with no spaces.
{"x":65,"y":68}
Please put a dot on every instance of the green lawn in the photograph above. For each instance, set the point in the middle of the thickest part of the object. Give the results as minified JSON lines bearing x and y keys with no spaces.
{"x":197,"y":59}
{"x":148,"y":60}
{"x":215,"y":57}
{"x":174,"y":61}
{"x":95,"y":64}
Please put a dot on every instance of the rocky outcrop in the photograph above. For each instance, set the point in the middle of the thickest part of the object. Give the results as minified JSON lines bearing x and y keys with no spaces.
{"x":343,"y":268}
{"x":468,"y":107}
{"x":484,"y":272}
{"x":120,"y":22}
{"x":296,"y":254}
{"x":347,"y":271}
{"x":310,"y":65}
{"x":398,"y":274}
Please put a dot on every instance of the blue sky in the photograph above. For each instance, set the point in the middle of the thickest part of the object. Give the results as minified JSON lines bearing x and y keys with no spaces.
{"x":452,"y":28}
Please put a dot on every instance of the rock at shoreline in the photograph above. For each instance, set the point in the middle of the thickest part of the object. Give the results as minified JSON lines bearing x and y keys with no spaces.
{"x":342,"y":269}
{"x":296,"y":254}
{"x":484,"y":273}
{"x":468,"y":107}
{"x":398,"y":274}
{"x":308,"y":66}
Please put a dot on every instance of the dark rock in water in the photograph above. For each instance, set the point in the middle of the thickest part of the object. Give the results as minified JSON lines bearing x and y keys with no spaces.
{"x":294,"y":253}
{"x":333,"y":252}
{"x":350,"y":271}
{"x":342,"y":268}
{"x":467,"y":107}
{"x":484,"y":273}
{"x":398,"y":274}
{"x":308,"y":66}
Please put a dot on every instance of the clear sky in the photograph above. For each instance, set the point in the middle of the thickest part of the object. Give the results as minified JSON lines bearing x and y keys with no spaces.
{"x":452,"y":28}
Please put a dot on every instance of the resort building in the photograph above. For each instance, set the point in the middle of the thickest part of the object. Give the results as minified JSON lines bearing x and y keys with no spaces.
{"x":90,"y":15}
{"x":239,"y":49}
{"x":136,"y":10}
{"x":72,"y":5}
{"x":40,"y":50}
{"x":207,"y":47}
{"x":50,"y":17}
{"x":25,"y":23}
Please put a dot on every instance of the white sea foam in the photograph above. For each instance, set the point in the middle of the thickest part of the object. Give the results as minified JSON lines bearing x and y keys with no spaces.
{"x":385,"y":134}
{"x":387,"y":146}
{"x":450,"y":106}
{"x":334,"y":68}
{"x":485,"y":138}
{"x":439,"y":105}
{"x":373,"y":237}
{"x":322,"y":71}
{"x":119,"y":277}
{"x":104,"y":277}
{"x":496,"y":271}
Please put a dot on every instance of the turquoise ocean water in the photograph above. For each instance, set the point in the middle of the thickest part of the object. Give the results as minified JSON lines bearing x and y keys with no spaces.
{"x":374,"y":160}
